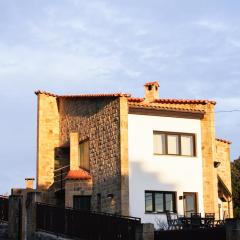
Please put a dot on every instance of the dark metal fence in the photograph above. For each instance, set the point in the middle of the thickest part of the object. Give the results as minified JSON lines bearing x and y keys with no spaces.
{"x":3,"y":209}
{"x":84,"y":224}
{"x":218,"y":233}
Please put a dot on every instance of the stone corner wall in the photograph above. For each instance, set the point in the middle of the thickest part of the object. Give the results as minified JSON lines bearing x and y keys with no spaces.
{"x":210,"y":191}
{"x":47,"y":139}
{"x":223,"y":156}
{"x":224,"y":169}
{"x":124,"y":156}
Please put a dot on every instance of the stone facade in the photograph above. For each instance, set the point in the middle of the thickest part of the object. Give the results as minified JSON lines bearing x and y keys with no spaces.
{"x":77,"y":188}
{"x":223,"y":156}
{"x":47,"y":139}
{"x":124,"y":168}
{"x":224,"y":171}
{"x":97,"y":120}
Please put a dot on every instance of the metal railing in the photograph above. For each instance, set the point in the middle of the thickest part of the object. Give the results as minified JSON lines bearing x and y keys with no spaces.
{"x":59,"y":177}
{"x":85,"y":224}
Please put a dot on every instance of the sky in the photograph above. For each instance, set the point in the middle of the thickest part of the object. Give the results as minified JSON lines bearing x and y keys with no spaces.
{"x":192,"y":48}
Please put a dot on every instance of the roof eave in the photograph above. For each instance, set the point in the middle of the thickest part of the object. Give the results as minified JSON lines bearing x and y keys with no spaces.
{"x":179,"y":113}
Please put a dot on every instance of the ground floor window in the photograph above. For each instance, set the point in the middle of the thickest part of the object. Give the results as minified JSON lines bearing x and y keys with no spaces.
{"x":160,"y":201}
{"x":82,"y":202}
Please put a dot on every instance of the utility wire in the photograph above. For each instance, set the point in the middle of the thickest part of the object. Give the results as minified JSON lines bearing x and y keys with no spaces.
{"x":228,"y":111}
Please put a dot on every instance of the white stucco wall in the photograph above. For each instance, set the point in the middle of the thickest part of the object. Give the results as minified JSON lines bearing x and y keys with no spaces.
{"x":157,"y":172}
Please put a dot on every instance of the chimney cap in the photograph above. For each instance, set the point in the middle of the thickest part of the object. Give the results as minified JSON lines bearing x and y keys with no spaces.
{"x":151,"y":84}
{"x":29,"y":179}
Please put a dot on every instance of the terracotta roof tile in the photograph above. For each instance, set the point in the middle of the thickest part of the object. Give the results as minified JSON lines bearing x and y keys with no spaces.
{"x":84,"y":95}
{"x":167,"y":108}
{"x":174,"y":101}
{"x":151,"y":83}
{"x":78,"y":175}
{"x":223,"y":140}
{"x":45,"y":93}
{"x":183,"y":101}
{"x":132,"y":99}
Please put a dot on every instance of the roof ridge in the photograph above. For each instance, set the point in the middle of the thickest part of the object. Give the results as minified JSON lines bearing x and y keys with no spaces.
{"x":182,"y":101}
{"x":223,"y":140}
{"x":84,"y":95}
{"x":174,"y":100}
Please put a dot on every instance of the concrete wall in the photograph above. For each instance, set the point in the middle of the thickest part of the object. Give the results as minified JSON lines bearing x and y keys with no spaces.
{"x":158,"y":172}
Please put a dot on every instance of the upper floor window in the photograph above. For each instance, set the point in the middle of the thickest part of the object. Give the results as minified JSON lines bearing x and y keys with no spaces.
{"x":84,"y":155}
{"x":169,"y":143}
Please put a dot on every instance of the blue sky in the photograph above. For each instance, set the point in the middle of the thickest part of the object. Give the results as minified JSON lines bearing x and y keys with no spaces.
{"x":71,"y":46}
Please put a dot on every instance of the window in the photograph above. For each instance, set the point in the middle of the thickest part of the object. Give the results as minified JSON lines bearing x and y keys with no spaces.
{"x":160,"y":202}
{"x":82,"y":202}
{"x":173,"y":144}
{"x":168,"y":143}
{"x":84,"y":155}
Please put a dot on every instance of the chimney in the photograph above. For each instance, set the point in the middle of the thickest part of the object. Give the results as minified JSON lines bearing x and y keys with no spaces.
{"x":29,"y":183}
{"x":151,"y":91}
{"x":74,"y":151}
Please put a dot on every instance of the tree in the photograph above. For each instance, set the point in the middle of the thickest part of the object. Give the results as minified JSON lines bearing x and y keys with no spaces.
{"x":235,"y":170}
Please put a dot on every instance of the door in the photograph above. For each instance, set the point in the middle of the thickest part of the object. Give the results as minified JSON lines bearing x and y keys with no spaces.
{"x":82,"y":202}
{"x":189,"y":203}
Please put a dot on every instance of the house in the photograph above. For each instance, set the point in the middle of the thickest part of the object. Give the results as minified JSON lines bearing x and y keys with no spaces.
{"x":132,"y":156}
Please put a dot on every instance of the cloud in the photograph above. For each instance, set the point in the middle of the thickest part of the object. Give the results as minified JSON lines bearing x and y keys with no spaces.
{"x":74,"y":46}
{"x":212,"y":25}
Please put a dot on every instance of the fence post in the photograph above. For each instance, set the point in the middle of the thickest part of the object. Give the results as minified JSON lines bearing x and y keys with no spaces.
{"x":144,"y":231}
{"x":14,"y":217}
{"x":32,"y":199}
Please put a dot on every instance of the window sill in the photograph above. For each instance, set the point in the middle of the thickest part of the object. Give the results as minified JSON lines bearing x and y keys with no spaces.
{"x":173,"y":155}
{"x":156,"y":212}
